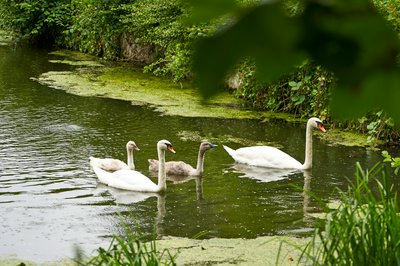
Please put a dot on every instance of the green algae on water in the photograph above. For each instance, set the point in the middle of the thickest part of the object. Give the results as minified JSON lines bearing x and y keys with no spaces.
{"x":345,"y":138}
{"x":267,"y":250}
{"x":5,"y":38}
{"x":76,"y":63}
{"x":195,"y":136}
{"x":124,"y":82}
{"x":75,"y":56}
{"x":131,"y":84}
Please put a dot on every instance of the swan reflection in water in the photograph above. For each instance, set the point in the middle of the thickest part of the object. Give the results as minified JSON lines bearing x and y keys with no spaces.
{"x":124,"y":197}
{"x":307,"y":208}
{"x":262,"y":174}
{"x":266,"y":175}
{"x":179,"y":179}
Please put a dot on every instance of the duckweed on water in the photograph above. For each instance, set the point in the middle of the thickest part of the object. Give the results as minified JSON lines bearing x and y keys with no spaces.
{"x":131,"y":84}
{"x":74,"y":56}
{"x":197,"y":137}
{"x":5,"y":38}
{"x":76,"y":63}
{"x":340,"y":137}
{"x":123,"y":82}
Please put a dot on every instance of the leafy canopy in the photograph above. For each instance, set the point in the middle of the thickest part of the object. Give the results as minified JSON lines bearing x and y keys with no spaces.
{"x":348,"y":37}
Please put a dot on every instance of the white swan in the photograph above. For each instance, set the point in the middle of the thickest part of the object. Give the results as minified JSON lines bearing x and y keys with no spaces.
{"x":134,"y":180}
{"x":266,"y":156}
{"x":182,"y":168}
{"x":111,"y":165}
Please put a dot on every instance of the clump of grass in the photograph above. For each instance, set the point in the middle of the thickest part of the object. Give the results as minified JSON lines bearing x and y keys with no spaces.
{"x":129,"y":249}
{"x":365,"y":229}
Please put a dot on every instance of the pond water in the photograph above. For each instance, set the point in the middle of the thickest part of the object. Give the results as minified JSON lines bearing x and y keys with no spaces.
{"x":51,"y":201}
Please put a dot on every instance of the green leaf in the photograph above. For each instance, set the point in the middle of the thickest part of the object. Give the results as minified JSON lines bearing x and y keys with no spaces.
{"x":347,"y":37}
{"x":298,"y":99}
{"x":205,"y":10}
{"x":295,"y":85}
{"x":255,"y":35}
{"x":380,"y":90}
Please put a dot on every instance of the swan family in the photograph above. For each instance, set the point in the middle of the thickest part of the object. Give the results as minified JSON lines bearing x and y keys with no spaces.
{"x":117,"y":174}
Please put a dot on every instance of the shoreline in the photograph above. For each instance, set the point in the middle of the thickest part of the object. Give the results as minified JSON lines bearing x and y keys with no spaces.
{"x":265,"y":250}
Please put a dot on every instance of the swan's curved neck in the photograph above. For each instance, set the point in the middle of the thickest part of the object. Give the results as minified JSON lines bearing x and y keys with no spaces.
{"x":162,"y":184}
{"x":200,"y":161}
{"x":131,"y":163}
{"x":308,"y":158}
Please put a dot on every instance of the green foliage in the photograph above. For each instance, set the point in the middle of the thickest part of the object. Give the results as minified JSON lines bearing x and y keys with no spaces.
{"x":304,"y":92}
{"x":160,"y":23}
{"x":36,"y":20}
{"x":378,"y":126}
{"x":365,"y":229}
{"x":130,"y":252}
{"x":394,"y":161}
{"x":96,"y":27}
{"x":347,"y":37}
{"x":391,"y":11}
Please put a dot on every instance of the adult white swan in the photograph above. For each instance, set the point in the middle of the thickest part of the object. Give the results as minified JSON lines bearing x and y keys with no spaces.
{"x":111,"y":165}
{"x":134,"y":180}
{"x":182,"y":168}
{"x":266,"y":156}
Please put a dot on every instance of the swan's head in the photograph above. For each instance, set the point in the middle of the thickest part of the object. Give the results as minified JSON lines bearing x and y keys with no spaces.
{"x":205,"y":146}
{"x":165,"y":145}
{"x":131,"y":145}
{"x":316,"y":123}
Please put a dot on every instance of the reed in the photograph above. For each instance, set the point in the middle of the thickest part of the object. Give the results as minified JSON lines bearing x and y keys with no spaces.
{"x":365,"y":229}
{"x":129,"y":249}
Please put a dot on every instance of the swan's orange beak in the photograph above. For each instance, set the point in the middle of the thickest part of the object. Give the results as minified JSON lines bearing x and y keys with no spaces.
{"x":321,"y":127}
{"x":169,"y":148}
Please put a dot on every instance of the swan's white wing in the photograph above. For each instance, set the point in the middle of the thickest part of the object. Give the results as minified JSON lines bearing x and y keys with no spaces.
{"x":125,"y":179}
{"x":132,"y":180}
{"x":108,"y":164}
{"x":264,"y":156}
{"x":103,"y":176}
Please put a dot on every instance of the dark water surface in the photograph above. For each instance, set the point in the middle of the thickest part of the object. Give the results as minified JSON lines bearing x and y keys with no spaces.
{"x":50,"y":199}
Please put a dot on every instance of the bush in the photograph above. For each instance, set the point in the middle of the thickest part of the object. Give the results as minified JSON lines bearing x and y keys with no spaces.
{"x":161,"y":23}
{"x":37,"y":21}
{"x":304,"y":92}
{"x":95,"y":28}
